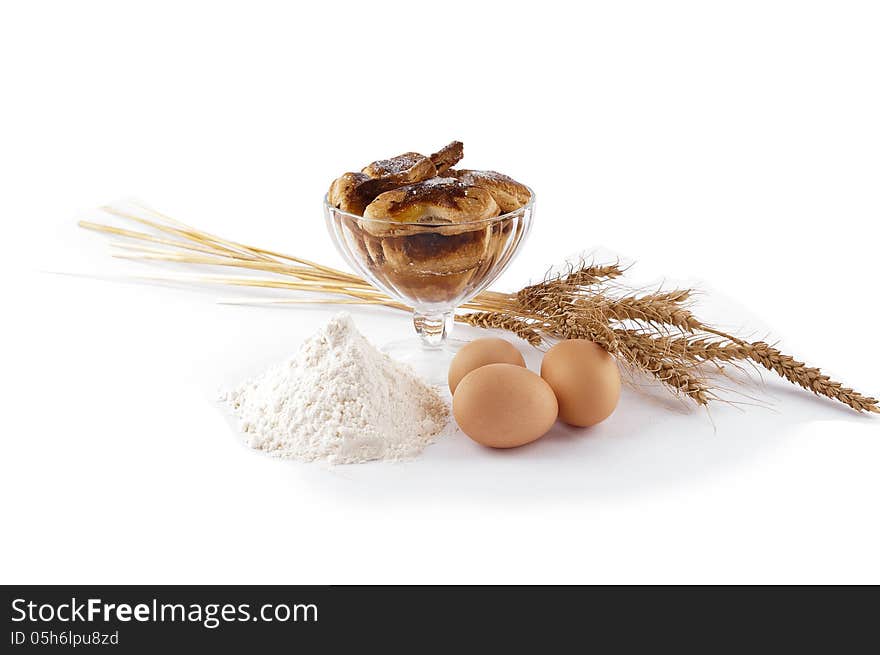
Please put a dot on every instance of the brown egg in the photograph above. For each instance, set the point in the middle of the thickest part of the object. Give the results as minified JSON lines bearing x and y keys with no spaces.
{"x":584,"y":378}
{"x":504,"y":405}
{"x":480,"y":352}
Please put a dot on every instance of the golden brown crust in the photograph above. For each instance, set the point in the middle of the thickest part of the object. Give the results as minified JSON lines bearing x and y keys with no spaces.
{"x":408,"y":168}
{"x":448,"y":156}
{"x":508,"y":193}
{"x":352,"y":192}
{"x":348,"y":193}
{"x":435,"y":201}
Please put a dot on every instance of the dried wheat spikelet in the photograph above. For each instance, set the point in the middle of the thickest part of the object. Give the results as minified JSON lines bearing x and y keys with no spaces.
{"x":500,"y":321}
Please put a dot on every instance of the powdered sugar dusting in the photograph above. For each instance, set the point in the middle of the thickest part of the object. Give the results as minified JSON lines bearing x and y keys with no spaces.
{"x":397,"y":164}
{"x":439,"y":181}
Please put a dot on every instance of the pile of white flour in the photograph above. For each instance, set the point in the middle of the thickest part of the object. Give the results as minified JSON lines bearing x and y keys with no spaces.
{"x":339,"y":400}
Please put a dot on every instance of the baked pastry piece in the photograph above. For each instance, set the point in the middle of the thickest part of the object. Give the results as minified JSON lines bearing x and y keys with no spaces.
{"x":407,"y":168}
{"x":447,"y":157}
{"x":508,"y":193}
{"x":439,"y":200}
{"x":349,"y":193}
{"x":433,"y":267}
{"x":352,"y":192}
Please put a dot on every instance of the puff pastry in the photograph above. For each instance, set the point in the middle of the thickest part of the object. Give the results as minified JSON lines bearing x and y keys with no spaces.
{"x":436,"y":201}
{"x":508,"y":193}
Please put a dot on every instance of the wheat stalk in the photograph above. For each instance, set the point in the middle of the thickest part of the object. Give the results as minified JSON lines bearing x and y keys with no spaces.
{"x":808,"y":377}
{"x":655,"y":333}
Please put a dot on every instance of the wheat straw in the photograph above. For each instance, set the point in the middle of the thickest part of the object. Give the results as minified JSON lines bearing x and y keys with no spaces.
{"x":656,"y":333}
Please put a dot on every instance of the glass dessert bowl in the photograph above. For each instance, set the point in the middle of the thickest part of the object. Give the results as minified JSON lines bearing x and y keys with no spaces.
{"x":432,"y":268}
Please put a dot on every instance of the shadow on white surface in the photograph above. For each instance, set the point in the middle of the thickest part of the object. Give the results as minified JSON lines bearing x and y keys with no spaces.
{"x":638,"y":450}
{"x":652,"y":442}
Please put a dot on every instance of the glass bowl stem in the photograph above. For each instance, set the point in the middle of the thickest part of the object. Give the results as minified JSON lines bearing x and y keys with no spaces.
{"x":433,"y":327}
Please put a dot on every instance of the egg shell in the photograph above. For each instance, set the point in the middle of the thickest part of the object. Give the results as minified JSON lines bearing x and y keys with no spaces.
{"x":504,"y":405}
{"x":480,"y":352}
{"x":585,"y":379}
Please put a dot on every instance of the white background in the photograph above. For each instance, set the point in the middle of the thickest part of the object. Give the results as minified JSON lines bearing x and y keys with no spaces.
{"x":734,"y":145}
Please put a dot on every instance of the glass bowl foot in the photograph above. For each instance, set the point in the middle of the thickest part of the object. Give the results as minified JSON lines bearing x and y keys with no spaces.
{"x":430,"y":363}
